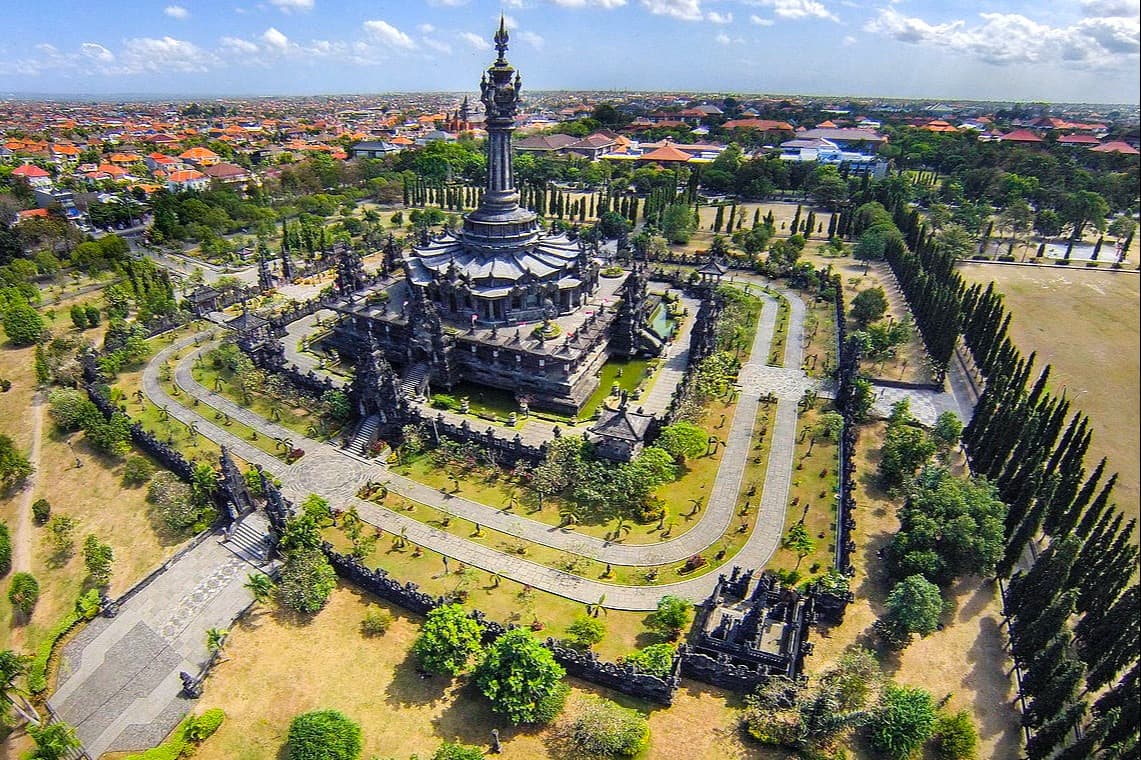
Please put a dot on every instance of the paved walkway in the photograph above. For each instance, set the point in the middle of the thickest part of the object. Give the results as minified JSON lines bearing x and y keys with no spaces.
{"x":658,"y":398}
{"x":22,"y":528}
{"x":118,"y":678}
{"x":338,"y":475}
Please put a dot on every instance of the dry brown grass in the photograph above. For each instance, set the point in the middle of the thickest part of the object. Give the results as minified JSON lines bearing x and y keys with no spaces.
{"x":966,"y":659}
{"x":1086,"y":324}
{"x":278,"y":667}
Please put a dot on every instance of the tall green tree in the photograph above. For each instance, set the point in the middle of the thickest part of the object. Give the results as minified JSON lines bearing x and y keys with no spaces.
{"x":448,"y":640}
{"x":517,"y":674}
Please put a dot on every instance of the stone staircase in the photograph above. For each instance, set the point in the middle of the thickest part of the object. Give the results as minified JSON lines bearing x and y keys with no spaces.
{"x":415,"y":380}
{"x":366,"y":432}
{"x":248,"y":538}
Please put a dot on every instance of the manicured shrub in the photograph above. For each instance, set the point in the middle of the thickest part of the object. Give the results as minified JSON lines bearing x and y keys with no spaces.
{"x":323,"y":735}
{"x":956,"y":737}
{"x":41,"y":511}
{"x":203,"y":726}
{"x":173,"y":501}
{"x":655,"y":660}
{"x":24,"y":592}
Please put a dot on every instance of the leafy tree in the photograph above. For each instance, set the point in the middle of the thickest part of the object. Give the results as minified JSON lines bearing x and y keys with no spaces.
{"x":678,"y":223}
{"x":586,"y":631}
{"x":23,"y":324}
{"x":683,"y":440}
{"x":955,"y":737}
{"x":516,"y":674}
{"x":797,"y":540}
{"x":1082,"y":208}
{"x":602,"y":729}
{"x":829,"y":426}
{"x":24,"y":592}
{"x":70,"y":408}
{"x":336,"y":404}
{"x":14,"y":466}
{"x":905,"y":448}
{"x":655,"y":659}
{"x":949,"y":527}
{"x":904,"y":720}
{"x":54,"y":741}
{"x":307,"y":580}
{"x":947,"y":431}
{"x":137,"y":470}
{"x":14,"y":666}
{"x":173,"y":501}
{"x":60,"y":536}
{"x":869,"y":305}
{"x":377,"y":621}
{"x":672,"y":615}
{"x":323,"y":735}
{"x":955,"y":240}
{"x":78,"y":317}
{"x":41,"y":511}
{"x":913,"y":606}
{"x":97,"y":558}
{"x":448,"y":640}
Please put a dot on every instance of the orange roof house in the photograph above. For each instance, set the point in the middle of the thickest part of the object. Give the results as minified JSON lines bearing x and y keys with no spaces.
{"x":200,"y":156}
{"x":666,"y":154}
{"x":1086,"y":140}
{"x":1116,"y":146}
{"x":1024,"y":136}
{"x":939,"y":126}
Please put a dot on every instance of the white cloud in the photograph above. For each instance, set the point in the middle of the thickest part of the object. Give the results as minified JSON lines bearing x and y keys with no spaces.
{"x":477,"y":42}
{"x":1111,"y":8}
{"x":448,"y":3}
{"x":848,"y":41}
{"x":288,"y":6}
{"x":604,"y":4}
{"x":761,"y":21}
{"x":96,"y":52}
{"x":238,"y":46}
{"x":1006,"y":38}
{"x":164,"y":54}
{"x":385,"y":32}
{"x":176,"y":11}
{"x":686,"y":10}
{"x":719,"y":18}
{"x":275,"y":39}
{"x":723,"y":39}
{"x":534,"y":40}
{"x":796,"y":10}
{"x":425,"y":28}
{"x":437,"y":45}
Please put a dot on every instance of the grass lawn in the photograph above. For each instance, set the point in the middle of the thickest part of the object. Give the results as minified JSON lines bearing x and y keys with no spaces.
{"x":811,"y":500}
{"x":325,"y":662}
{"x":93,"y":495}
{"x":405,"y":566}
{"x":1085,"y":324}
{"x":966,"y":659}
{"x":820,"y":329}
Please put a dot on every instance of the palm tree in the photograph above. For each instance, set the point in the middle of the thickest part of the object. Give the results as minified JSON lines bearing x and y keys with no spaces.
{"x":261,"y":586}
{"x":216,"y":640}
{"x":53,"y":742}
{"x":12,"y":666}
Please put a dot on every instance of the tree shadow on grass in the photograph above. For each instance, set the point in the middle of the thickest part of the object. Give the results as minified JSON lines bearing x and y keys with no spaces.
{"x":411,"y":687}
{"x":469,"y":719}
{"x":994,"y":690}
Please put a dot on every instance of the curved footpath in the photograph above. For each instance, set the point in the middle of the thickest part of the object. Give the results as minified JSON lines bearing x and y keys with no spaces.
{"x":337,"y":475}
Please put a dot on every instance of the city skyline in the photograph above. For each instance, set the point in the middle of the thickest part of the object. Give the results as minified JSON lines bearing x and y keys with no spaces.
{"x":1071,"y":51}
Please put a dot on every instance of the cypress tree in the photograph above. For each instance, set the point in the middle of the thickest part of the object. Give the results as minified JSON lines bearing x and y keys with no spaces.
{"x":1049,"y":736}
{"x":732,"y":214}
{"x":831,"y":225}
{"x":1116,"y":653}
{"x":1058,"y":691}
{"x":1109,"y":574}
{"x":795,"y":226}
{"x":756,"y":216}
{"x":810,"y":225}
{"x":1116,"y":713}
{"x":1029,"y":592}
{"x":1027,"y":638}
{"x":1096,"y":510}
{"x":1097,"y":629}
{"x":1046,"y":663}
{"x":718,"y":219}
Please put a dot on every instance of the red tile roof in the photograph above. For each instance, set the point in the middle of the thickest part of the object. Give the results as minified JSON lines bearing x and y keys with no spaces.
{"x":1022,"y":135}
{"x":1116,"y":146}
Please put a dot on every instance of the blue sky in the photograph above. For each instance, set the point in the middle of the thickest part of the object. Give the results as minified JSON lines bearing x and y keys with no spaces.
{"x":1057,"y":50}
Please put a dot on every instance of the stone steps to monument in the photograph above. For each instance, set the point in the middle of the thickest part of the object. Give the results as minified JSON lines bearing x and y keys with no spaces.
{"x":364,"y":434}
{"x":249,"y":539}
{"x":412,"y":385}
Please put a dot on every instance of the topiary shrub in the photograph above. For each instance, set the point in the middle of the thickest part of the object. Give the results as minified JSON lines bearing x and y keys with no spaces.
{"x":655,"y":660}
{"x":450,"y":751}
{"x":173,"y":501}
{"x":323,"y":735}
{"x":956,"y":737}
{"x":41,"y":511}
